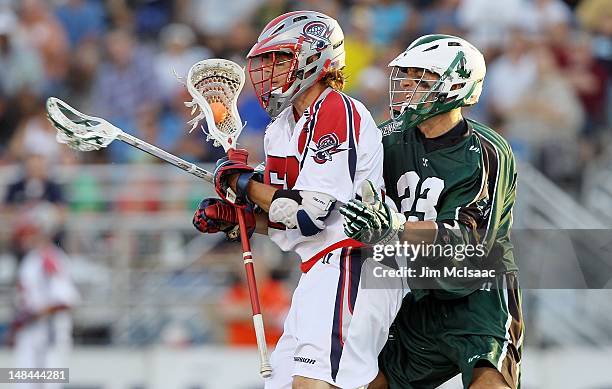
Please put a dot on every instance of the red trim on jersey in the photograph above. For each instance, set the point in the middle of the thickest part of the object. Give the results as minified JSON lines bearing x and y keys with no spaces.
{"x":348,"y":242}
{"x":331,"y":118}
{"x":356,"y":121}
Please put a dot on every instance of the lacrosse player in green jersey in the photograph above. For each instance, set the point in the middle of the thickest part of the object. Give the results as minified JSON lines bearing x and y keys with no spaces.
{"x":453,"y":181}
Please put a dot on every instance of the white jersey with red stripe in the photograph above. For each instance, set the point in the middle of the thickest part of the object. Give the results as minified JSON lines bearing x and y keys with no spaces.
{"x":332,"y":148}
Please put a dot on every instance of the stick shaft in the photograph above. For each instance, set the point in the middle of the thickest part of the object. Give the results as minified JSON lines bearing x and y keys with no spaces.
{"x":264,"y":368}
{"x":166,"y":156}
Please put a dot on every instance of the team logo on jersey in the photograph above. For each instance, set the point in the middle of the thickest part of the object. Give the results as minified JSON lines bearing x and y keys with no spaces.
{"x":317,"y":34}
{"x":326,"y":147}
{"x":390,"y":127}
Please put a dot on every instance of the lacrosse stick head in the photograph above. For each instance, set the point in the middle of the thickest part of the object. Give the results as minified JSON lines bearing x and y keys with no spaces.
{"x":216,"y":81}
{"x":77,"y":130}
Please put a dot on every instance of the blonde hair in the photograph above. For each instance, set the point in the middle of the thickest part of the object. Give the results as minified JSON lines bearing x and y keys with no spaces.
{"x":335,"y":79}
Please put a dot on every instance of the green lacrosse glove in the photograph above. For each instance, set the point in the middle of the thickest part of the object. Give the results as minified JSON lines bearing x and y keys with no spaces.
{"x":370,"y":220}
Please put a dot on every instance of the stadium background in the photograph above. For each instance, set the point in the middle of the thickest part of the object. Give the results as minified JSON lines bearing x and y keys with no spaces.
{"x":162,"y":307}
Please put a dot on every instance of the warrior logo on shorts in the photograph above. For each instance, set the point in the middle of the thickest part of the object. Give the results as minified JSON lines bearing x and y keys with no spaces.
{"x":327,"y":146}
{"x":317,"y":34}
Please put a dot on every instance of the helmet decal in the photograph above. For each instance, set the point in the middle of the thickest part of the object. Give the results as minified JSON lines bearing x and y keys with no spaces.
{"x":317,"y":34}
{"x":462,"y":71}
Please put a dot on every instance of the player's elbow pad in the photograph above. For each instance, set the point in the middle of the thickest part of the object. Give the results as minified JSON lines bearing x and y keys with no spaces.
{"x":304,"y":210}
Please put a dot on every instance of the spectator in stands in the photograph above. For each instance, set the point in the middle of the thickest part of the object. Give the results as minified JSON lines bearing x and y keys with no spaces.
{"x":544,"y":124}
{"x":488,"y":23}
{"x":559,"y":37}
{"x":390,"y":18}
{"x":179,"y":52}
{"x":34,"y":186}
{"x":126,"y":81}
{"x":440,"y":18}
{"x":150,"y":16}
{"x":21,"y":65}
{"x":34,"y":134}
{"x":83,"y":20}
{"x":82,"y":75}
{"x":511,"y":76}
{"x":205,"y":16}
{"x":542,"y":15}
{"x":589,"y":78}
{"x":43,"y":32}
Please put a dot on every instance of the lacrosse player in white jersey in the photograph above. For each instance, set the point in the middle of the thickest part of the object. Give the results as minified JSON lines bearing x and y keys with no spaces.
{"x":42,"y":328}
{"x":321,"y":146}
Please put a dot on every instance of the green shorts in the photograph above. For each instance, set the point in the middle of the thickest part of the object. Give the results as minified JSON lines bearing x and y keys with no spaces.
{"x":432,"y":340}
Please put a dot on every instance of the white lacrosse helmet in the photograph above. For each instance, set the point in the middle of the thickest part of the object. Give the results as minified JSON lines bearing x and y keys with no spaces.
{"x":460,"y":68}
{"x":315,"y":44}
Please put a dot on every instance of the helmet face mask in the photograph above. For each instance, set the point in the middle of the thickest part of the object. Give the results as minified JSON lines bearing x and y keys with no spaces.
{"x":272,"y":74}
{"x":311,"y":42}
{"x":436,"y":74}
{"x":412,"y":88}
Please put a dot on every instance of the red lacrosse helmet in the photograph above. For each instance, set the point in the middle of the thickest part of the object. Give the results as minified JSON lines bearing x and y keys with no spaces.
{"x":293,"y":52}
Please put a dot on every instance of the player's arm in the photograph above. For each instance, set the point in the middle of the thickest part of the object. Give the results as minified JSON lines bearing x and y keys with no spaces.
{"x":419,"y":231}
{"x":302,"y":209}
{"x":373,"y":220}
{"x":258,"y":192}
{"x":468,"y":214}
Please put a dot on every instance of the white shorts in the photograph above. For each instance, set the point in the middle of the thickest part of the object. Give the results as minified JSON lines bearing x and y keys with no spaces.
{"x":335,"y":329}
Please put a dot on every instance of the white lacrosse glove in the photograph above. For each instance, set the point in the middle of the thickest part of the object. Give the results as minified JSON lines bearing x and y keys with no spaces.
{"x":370,"y":220}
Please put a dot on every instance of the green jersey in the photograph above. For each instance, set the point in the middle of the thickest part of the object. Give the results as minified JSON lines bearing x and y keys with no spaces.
{"x":464,"y":180}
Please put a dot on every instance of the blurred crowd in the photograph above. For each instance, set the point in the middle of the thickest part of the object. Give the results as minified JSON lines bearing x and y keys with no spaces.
{"x":547,"y":87}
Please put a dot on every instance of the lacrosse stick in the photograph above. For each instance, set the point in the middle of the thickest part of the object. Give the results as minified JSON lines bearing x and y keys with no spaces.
{"x":87,"y":133}
{"x":220,"y":81}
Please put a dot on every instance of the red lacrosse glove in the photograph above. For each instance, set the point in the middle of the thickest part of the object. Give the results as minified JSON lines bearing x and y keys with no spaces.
{"x":215,"y":215}
{"x":235,"y":163}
